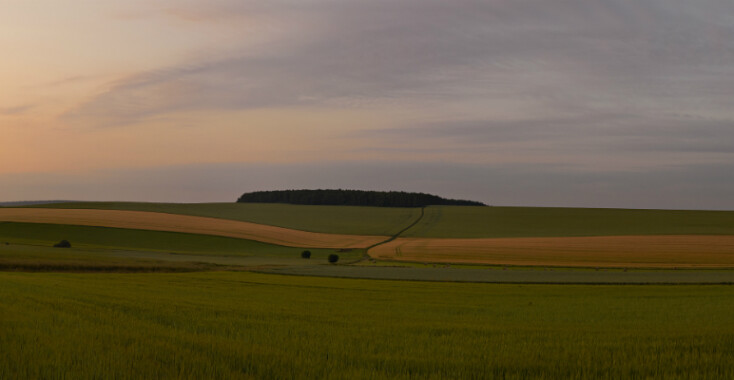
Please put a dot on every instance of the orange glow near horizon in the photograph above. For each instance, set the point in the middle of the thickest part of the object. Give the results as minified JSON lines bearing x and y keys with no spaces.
{"x":605,"y":89}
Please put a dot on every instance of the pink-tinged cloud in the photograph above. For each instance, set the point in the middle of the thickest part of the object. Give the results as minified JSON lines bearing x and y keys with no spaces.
{"x":587,"y":85}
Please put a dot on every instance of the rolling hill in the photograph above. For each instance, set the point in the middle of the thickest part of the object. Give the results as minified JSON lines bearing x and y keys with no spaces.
{"x":439,"y":234}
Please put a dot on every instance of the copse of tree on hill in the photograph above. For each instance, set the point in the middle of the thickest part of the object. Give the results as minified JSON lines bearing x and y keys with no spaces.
{"x":341,"y":197}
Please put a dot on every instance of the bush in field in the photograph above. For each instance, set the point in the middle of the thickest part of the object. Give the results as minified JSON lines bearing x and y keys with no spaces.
{"x":333,"y":258}
{"x":63,"y":244}
{"x":306,"y":254}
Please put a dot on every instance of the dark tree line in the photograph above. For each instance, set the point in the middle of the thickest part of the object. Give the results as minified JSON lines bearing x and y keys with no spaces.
{"x":352,"y":198}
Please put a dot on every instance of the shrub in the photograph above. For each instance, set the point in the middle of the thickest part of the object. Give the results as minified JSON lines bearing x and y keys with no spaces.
{"x":333,"y":258}
{"x":63,"y":244}
{"x":306,"y":254}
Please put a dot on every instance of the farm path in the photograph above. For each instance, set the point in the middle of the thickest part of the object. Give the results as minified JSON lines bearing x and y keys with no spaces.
{"x":391,"y":238}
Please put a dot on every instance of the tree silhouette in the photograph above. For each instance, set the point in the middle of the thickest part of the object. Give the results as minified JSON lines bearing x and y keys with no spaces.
{"x":352,"y":198}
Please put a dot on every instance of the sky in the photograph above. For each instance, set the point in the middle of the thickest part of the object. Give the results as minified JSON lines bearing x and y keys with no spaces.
{"x":585,"y":103}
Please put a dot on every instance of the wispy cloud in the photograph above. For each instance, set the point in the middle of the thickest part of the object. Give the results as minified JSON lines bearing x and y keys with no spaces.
{"x":573,"y":83}
{"x":17,"y":110}
{"x":617,"y":131}
{"x":600,"y":54}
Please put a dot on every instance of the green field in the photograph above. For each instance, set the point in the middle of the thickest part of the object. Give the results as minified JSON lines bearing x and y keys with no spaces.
{"x":47,"y":259}
{"x":126,"y":239}
{"x":245,"y":325}
{"x":451,"y":221}
{"x":32,"y":258}
{"x":330,"y":219}
{"x":197,"y":309}
{"x":29,"y":246}
{"x":495,"y":222}
{"x":512,"y":275}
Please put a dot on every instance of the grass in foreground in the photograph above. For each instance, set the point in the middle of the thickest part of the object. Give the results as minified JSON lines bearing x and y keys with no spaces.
{"x":245,"y":325}
{"x":492,"y":222}
{"x":526,"y":275}
{"x":329,"y":219}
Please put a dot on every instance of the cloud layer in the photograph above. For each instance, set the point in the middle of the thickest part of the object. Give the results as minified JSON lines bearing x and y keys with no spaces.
{"x":614,"y":90}
{"x":650,"y":56}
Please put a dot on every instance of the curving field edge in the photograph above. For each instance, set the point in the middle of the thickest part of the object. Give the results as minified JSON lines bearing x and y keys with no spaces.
{"x":187,"y":224}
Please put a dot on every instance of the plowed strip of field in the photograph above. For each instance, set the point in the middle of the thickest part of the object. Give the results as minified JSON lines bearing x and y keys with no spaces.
{"x":681,"y":251}
{"x":188,"y":224}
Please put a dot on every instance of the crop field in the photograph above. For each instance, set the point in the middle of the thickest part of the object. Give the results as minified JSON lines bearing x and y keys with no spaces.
{"x":448,"y":221}
{"x":29,"y":246}
{"x":109,"y":249}
{"x":499,"y":222}
{"x":165,"y":295}
{"x":46,"y":259}
{"x":508,"y":275}
{"x":246,"y":325}
{"x":187,"y":224}
{"x":445,"y":234}
{"x":46,"y":235}
{"x":603,"y":251}
{"x":349,"y":220}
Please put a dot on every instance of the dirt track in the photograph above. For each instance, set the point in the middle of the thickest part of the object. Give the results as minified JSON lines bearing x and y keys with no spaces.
{"x":187,"y":224}
{"x":682,"y":251}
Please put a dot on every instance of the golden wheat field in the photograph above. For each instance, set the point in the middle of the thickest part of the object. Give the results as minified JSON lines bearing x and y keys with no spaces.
{"x":188,"y":224}
{"x":677,"y":251}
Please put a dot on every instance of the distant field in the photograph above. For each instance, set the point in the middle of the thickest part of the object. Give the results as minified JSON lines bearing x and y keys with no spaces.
{"x":187,"y":224}
{"x":702,"y":251}
{"x":28,"y":247}
{"x":245,"y":325}
{"x":46,"y":259}
{"x":450,"y":221}
{"x":329,"y":219}
{"x":562,"y":237}
{"x":497,"y":222}
{"x":130,"y":239}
